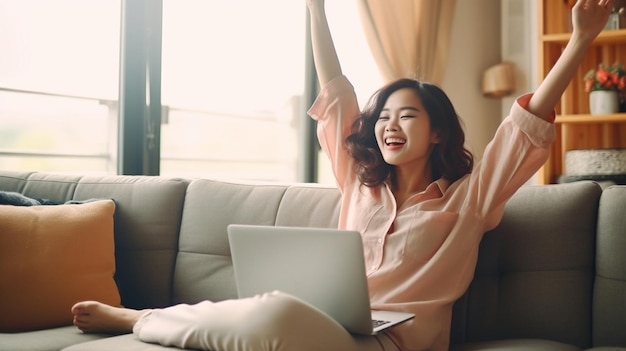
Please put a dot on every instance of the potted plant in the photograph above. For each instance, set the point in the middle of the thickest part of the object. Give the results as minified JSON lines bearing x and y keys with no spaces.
{"x":605,"y":85}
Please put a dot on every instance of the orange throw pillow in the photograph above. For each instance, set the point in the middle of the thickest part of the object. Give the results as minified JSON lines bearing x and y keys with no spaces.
{"x":52,"y":257}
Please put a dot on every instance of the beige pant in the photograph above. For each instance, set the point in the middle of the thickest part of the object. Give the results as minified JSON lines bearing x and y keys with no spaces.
{"x":273,"y":321}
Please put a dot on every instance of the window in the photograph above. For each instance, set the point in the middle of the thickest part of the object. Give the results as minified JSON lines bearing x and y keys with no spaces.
{"x":232,"y":88}
{"x":58,"y":85}
{"x":233,"y":80}
{"x":356,"y":60}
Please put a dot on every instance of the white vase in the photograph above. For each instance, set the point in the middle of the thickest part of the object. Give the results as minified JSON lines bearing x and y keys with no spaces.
{"x":602,"y":102}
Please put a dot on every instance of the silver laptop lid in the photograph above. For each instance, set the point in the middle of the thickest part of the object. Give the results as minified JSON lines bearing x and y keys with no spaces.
{"x":324,"y":267}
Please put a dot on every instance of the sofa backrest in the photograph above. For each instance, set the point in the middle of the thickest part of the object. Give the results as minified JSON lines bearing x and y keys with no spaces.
{"x":147,"y":221}
{"x":609,"y":299}
{"x":538,"y":275}
{"x":203,"y":265}
{"x":535,"y":271}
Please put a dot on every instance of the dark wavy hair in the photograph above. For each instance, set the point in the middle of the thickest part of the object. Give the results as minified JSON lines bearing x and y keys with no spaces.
{"x":449,"y":158}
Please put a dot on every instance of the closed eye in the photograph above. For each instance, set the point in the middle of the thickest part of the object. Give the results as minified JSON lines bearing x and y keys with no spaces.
{"x":383,"y":118}
{"x":407,"y":116}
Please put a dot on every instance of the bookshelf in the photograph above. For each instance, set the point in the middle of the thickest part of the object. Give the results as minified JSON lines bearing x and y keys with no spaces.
{"x":576,"y":127}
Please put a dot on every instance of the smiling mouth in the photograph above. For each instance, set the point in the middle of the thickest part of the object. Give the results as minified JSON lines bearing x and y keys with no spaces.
{"x":394,"y":141}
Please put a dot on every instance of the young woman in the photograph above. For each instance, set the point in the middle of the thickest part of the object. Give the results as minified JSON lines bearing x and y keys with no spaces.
{"x":409,"y":186}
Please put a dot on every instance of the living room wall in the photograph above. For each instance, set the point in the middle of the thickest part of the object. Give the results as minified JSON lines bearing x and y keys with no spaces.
{"x":485,"y":33}
{"x":475,"y":45}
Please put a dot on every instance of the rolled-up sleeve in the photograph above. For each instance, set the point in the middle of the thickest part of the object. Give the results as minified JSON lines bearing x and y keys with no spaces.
{"x":335,"y":109}
{"x":520,"y":147}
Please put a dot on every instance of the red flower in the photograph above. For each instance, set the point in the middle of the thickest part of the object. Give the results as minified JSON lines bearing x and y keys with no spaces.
{"x":603,"y":78}
{"x":621,"y":83}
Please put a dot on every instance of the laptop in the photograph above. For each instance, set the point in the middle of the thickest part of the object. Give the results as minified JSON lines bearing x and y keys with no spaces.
{"x":323,"y":267}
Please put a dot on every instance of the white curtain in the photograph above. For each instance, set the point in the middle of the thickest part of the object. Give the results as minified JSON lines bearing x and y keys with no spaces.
{"x":408,"y":38}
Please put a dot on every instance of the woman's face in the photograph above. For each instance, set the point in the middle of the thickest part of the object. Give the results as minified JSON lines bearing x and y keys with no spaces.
{"x":403,"y":130}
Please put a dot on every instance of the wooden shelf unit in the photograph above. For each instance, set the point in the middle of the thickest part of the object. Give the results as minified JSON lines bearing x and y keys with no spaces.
{"x":576,"y":128}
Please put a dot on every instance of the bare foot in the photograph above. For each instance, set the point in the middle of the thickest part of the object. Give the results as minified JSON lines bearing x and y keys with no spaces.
{"x":96,"y":317}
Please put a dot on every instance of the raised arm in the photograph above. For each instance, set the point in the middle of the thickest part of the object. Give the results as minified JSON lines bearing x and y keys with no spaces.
{"x":324,"y":53}
{"x":588,"y":19}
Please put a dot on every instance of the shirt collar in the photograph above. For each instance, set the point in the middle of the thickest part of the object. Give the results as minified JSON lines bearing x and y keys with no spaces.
{"x":441,"y":184}
{"x":434,"y":190}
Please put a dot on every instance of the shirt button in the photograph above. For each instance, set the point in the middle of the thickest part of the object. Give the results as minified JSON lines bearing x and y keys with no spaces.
{"x":380,"y":241}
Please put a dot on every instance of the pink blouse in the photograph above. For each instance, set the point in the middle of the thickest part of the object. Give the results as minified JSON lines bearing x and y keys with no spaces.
{"x":427,"y":261}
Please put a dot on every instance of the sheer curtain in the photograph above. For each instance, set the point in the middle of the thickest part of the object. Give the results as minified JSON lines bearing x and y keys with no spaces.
{"x":408,"y":38}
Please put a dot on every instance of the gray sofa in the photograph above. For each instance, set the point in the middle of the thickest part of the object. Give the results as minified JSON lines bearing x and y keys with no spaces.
{"x":551,"y":276}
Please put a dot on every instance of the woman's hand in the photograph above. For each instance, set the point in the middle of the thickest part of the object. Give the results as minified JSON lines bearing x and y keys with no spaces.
{"x":589,"y":17}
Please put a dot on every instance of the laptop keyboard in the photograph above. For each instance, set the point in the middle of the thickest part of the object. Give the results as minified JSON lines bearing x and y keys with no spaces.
{"x":378,"y":322}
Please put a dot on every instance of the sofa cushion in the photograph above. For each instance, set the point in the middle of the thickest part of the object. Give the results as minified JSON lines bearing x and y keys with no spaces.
{"x":203,"y":266}
{"x":309,"y":205}
{"x":609,"y":298}
{"x":516,"y":344}
{"x":535,"y":270}
{"x":147,"y":222}
{"x":127,"y":342}
{"x":52,"y":257}
{"x":53,"y":339}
